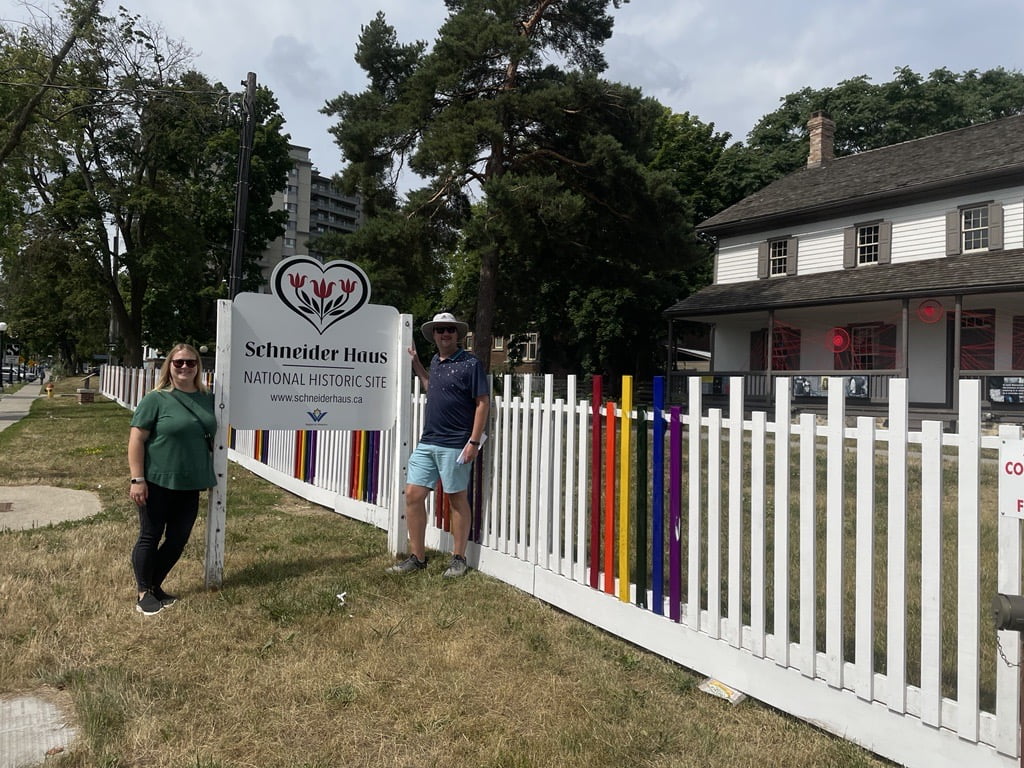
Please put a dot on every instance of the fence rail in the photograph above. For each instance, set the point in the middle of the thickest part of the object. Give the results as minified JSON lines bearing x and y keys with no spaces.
{"x":838,"y":569}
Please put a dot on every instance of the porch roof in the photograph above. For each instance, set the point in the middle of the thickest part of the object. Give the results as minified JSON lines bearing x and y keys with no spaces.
{"x":972,"y":273}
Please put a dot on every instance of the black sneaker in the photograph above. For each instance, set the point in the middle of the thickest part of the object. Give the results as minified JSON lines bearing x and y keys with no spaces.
{"x":164,"y":598}
{"x":149,"y":605}
{"x":409,"y":565}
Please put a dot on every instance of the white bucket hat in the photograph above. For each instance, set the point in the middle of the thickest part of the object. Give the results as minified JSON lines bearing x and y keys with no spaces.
{"x":443,"y":318}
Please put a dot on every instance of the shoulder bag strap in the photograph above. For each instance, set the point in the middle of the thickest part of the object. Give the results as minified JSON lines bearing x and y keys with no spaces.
{"x":184,"y":403}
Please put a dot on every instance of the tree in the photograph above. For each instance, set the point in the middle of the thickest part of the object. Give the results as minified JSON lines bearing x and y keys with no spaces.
{"x":594,"y":249}
{"x":870,"y":116}
{"x":19,"y":111}
{"x":138,"y":143}
{"x":478,"y":115}
{"x":403,"y":256}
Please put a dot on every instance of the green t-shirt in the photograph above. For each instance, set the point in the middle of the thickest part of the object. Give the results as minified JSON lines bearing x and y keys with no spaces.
{"x":177,"y":455}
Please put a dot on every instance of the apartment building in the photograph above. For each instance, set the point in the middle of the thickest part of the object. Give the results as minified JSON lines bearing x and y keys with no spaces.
{"x":315,"y":207}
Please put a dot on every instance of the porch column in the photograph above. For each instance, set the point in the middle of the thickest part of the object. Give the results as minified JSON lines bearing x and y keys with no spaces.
{"x":955,"y":384}
{"x":905,"y":344}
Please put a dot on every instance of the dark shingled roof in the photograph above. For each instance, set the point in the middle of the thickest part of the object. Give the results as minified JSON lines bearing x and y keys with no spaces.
{"x":996,"y":271}
{"x":975,"y":158}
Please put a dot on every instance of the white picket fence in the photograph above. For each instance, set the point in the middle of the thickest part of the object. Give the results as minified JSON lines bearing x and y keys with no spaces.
{"x":773,"y":518}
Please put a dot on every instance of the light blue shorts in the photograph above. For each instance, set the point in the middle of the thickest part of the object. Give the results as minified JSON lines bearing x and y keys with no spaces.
{"x":429,"y":462}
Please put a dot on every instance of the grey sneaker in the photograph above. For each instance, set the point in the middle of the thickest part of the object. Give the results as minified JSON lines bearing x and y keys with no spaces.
{"x":148,"y":605}
{"x":409,"y":565}
{"x":456,"y":568}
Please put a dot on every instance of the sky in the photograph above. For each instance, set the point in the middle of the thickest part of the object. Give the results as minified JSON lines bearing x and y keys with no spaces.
{"x":727,"y":62}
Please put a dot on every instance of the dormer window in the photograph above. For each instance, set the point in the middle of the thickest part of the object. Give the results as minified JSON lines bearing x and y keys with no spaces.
{"x":776,"y":257}
{"x":975,"y":227}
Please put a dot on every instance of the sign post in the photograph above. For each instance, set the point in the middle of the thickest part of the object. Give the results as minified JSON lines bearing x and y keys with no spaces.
{"x":216,"y":517}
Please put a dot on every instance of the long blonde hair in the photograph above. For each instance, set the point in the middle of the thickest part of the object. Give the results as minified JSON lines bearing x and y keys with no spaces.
{"x":163,"y":379}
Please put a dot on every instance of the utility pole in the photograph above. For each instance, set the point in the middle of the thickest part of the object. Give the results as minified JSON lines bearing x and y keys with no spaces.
{"x":242,"y":184}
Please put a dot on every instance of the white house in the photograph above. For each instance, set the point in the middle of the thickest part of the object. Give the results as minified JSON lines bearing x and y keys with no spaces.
{"x":903,"y":261}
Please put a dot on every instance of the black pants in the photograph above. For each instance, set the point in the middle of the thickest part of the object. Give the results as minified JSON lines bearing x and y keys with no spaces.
{"x":169,"y":515}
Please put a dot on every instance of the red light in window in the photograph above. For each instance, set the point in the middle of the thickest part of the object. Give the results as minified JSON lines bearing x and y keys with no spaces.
{"x":930,"y":311}
{"x":840,"y":340}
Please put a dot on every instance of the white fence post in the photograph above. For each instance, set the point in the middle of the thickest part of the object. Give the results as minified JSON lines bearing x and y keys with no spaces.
{"x":398,"y":530}
{"x":834,"y":526}
{"x":968,"y":560}
{"x":896,"y":552}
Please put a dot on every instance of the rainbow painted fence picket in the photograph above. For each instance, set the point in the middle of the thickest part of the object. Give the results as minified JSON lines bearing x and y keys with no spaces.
{"x":802,"y":561}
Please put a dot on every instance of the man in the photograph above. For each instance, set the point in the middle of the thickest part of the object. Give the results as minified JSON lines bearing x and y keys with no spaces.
{"x":458,"y":402}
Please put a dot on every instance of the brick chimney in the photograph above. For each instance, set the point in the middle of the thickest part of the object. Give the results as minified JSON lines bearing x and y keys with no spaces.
{"x":821,"y":130}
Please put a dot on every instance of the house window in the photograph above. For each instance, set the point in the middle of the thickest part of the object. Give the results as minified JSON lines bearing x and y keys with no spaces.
{"x":468,"y":341}
{"x":289,"y":242}
{"x":777,"y":253}
{"x":976,"y":227}
{"x":785,"y":349}
{"x":978,"y":340}
{"x":499,"y":343}
{"x":529,"y":348}
{"x":871,"y":346}
{"x":863,"y":347}
{"x":776,"y":257}
{"x":869,"y":243}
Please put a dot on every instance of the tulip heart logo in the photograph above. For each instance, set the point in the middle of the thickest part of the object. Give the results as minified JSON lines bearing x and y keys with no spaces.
{"x":321,"y":294}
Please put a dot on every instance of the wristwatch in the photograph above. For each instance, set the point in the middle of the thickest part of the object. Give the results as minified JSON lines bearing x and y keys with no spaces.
{"x":475,"y":442}
{"x":136,"y":480}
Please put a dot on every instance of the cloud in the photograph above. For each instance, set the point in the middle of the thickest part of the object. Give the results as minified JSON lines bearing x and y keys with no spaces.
{"x":294,"y":65}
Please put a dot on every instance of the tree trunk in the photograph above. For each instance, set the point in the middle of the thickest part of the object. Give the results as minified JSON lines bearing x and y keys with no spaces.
{"x":487,"y":292}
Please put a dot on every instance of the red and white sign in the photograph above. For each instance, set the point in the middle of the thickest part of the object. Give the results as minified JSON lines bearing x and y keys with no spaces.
{"x":1011,"y":478}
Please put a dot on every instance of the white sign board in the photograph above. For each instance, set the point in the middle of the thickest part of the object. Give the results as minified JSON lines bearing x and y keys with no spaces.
{"x":313,"y":354}
{"x":1011,"y":478}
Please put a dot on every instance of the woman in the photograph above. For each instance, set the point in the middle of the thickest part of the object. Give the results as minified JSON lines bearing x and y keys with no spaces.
{"x":170,"y":459}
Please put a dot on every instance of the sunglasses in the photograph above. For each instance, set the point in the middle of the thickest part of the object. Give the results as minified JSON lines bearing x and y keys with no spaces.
{"x":445,"y":329}
{"x":183,"y":363}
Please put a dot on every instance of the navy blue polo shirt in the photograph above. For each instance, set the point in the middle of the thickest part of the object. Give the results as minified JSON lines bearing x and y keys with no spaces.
{"x":455,"y":384}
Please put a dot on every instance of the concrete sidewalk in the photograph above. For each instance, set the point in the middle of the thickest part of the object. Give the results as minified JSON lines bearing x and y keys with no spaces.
{"x":35,"y":725}
{"x":35,"y":506}
{"x":16,"y":406}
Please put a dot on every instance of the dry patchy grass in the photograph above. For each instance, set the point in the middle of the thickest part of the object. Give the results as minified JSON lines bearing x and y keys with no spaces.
{"x":273,"y":670}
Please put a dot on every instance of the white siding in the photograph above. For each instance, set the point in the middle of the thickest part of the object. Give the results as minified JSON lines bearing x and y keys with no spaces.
{"x":918,"y":232}
{"x":736,"y":262}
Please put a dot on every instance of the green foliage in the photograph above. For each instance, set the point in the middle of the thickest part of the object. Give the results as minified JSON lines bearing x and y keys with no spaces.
{"x":138,"y":144}
{"x":578,"y":230}
{"x":870,"y":116}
